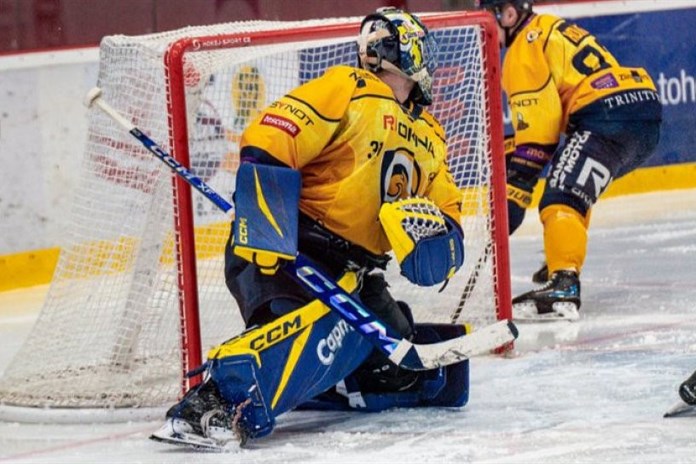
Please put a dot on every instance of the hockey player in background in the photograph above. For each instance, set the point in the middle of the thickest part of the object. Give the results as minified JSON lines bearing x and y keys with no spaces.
{"x":559,"y":80}
{"x":687,"y":399}
{"x":334,"y":170}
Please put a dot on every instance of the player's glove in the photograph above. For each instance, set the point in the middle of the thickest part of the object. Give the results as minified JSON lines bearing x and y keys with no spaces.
{"x":428,"y":245}
{"x":524,"y":167}
{"x":266,"y":215}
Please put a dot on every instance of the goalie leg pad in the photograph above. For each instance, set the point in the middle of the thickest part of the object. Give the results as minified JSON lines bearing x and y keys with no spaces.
{"x":454,"y":391}
{"x":266,"y":214}
{"x":285,"y":363}
{"x":238,"y":381}
{"x":443,"y":387}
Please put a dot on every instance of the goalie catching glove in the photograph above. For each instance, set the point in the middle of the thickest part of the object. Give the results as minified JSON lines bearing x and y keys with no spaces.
{"x":428,"y":245}
{"x":266,"y":215}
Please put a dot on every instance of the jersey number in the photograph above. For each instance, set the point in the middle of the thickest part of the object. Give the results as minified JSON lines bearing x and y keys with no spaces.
{"x":376,"y":148}
{"x":581,"y":57}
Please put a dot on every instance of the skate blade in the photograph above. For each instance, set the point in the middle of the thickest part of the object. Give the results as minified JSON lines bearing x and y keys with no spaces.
{"x":179,"y":434}
{"x":562,"y":311}
{"x":681,"y":409}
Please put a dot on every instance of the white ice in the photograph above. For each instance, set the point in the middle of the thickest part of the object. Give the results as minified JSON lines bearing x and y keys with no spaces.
{"x":587,"y":392}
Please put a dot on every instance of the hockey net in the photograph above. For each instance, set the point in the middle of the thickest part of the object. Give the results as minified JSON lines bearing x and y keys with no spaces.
{"x":139,"y":293}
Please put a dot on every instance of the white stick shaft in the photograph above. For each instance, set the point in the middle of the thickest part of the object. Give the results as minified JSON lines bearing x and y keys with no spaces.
{"x":115,"y":115}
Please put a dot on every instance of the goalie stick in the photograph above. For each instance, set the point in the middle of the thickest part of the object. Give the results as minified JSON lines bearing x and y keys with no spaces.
{"x":399,"y":350}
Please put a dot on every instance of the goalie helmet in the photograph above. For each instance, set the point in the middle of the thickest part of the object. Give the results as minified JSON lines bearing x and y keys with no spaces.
{"x":394,"y":40}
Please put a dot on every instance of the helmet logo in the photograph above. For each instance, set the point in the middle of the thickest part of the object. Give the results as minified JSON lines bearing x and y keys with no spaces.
{"x":410,"y":40}
{"x":411,"y":36}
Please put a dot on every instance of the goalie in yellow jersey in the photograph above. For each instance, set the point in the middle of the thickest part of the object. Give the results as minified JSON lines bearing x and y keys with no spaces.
{"x":342,"y":169}
{"x":560,"y":80}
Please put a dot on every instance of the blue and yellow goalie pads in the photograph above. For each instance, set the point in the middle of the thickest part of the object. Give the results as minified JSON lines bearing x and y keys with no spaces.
{"x":428,"y":245}
{"x":288,"y":361}
{"x":292,"y":361}
{"x":266,"y":215}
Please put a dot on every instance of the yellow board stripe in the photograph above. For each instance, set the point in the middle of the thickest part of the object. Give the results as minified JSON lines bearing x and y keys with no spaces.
{"x":27,"y":269}
{"x":36,"y":267}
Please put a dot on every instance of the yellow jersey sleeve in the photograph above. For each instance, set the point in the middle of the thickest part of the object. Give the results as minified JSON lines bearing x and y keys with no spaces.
{"x":295,"y":128}
{"x":444,"y":192}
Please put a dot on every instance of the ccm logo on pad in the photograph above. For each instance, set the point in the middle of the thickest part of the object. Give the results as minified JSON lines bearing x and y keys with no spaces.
{"x":281,"y":123}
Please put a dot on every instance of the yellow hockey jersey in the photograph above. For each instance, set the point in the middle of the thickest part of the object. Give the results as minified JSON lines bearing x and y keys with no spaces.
{"x":356,"y":148}
{"x":553,"y":69}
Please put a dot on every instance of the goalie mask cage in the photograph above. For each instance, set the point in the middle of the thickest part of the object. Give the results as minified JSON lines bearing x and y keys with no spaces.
{"x":139,"y":293}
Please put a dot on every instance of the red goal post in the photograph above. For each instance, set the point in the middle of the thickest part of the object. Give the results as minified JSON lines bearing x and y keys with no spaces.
{"x":139,"y":291}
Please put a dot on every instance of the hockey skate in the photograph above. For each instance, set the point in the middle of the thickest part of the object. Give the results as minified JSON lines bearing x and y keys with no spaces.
{"x":541,"y":276}
{"x":556,"y":300}
{"x":203,"y":420}
{"x":687,"y":404}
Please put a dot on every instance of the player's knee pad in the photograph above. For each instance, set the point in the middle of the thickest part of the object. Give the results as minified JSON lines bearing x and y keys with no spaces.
{"x":582,"y":170}
{"x":565,"y":237}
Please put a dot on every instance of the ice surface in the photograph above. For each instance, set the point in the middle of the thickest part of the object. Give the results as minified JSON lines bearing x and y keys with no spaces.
{"x":592,"y":391}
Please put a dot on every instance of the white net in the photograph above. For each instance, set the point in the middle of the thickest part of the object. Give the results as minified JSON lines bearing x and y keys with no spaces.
{"x":110,"y":334}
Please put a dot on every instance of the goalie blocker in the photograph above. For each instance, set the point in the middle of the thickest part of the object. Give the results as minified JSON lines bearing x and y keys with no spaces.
{"x":266,"y":220}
